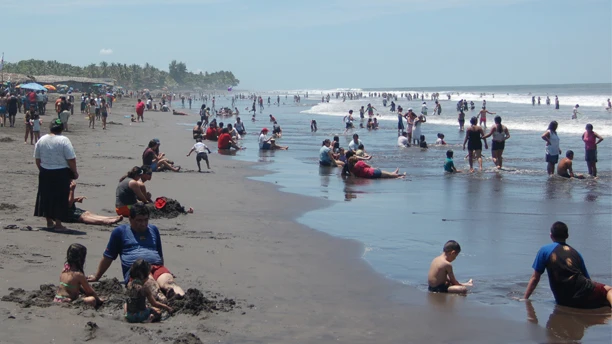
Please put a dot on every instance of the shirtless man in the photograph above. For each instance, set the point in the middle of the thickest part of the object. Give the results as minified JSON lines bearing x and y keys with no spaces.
{"x":564,"y":169}
{"x":441,"y":278}
{"x":483,"y":116}
{"x":3,"y":109}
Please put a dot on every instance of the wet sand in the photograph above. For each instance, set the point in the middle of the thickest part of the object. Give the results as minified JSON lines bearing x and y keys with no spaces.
{"x":291,"y":283}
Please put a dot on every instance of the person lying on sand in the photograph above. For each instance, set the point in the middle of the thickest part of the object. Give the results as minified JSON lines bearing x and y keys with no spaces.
{"x":177,"y":113}
{"x":139,"y":240}
{"x":441,"y":278}
{"x":77,"y":215}
{"x":73,"y":281}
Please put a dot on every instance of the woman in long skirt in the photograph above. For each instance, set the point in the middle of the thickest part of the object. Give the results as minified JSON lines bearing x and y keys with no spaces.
{"x":56,"y":162}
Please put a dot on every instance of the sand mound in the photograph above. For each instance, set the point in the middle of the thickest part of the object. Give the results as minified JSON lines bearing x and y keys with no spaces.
{"x":193,"y":303}
{"x":187,"y":338}
{"x":172,"y":209}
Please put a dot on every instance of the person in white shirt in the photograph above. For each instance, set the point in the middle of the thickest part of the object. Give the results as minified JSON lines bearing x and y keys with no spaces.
{"x":56,"y":162}
{"x":98,"y":102}
{"x":424,"y":109}
{"x":266,"y":143}
{"x":200,"y":149}
{"x":575,"y":112}
{"x":354,"y":144}
{"x":402,"y":140}
{"x":239,"y":126}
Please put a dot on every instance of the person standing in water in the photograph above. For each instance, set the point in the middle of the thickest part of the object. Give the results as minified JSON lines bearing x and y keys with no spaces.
{"x":483,"y":116}
{"x":473,"y":136}
{"x":591,"y":140}
{"x":556,"y":103}
{"x":552,"y":147}
{"x":361,"y":112}
{"x":461,"y":119}
{"x":575,"y":112}
{"x":416,"y":132}
{"x":370,"y":110}
{"x":500,"y":134}
{"x":400,"y":122}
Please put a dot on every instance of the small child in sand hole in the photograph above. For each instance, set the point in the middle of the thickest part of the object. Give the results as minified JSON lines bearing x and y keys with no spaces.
{"x":73,"y":280}
{"x":138,"y":292}
{"x":441,"y":278}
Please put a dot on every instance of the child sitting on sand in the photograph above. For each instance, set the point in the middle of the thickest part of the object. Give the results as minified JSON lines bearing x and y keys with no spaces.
{"x":132,"y":118}
{"x":73,"y":280}
{"x":135,"y":307}
{"x":449,"y":165}
{"x":441,"y":278}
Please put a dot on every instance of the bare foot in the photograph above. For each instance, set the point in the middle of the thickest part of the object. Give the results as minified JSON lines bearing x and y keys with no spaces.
{"x":60,"y":229}
{"x":396,"y":170}
{"x":50,"y":224}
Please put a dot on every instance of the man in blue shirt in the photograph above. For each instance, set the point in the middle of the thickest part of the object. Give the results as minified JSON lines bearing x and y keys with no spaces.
{"x":568,"y":277}
{"x":139,"y":240}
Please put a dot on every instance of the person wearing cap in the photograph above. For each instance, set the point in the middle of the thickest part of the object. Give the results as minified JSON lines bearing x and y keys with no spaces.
{"x":266,"y":143}
{"x":568,"y":277}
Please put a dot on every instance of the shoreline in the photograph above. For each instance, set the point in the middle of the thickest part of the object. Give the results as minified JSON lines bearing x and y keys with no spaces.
{"x":243,"y":242}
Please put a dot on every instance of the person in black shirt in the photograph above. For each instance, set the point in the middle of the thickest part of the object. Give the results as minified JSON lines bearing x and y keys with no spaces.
{"x":568,"y":277}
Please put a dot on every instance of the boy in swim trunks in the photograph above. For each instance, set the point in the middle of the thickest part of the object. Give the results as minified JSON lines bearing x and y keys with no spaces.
{"x":441,"y":278}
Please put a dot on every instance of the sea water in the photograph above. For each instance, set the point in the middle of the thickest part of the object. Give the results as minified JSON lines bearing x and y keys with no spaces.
{"x":500,"y":218}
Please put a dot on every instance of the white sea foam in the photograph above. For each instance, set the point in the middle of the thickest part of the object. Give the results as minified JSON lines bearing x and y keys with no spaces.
{"x":537,"y":119}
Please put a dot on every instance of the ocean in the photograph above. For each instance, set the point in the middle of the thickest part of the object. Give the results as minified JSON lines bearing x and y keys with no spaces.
{"x":500,"y":218}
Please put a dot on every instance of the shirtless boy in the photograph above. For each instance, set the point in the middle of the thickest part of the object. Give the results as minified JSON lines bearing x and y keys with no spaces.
{"x":564,"y":169}
{"x":441,"y":278}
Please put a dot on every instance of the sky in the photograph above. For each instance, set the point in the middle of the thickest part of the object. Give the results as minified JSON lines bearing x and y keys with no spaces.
{"x":326,"y":44}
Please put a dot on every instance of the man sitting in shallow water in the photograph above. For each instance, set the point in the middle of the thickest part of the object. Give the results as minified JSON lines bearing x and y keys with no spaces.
{"x":139,"y":240}
{"x":567,"y":274}
{"x":564,"y":169}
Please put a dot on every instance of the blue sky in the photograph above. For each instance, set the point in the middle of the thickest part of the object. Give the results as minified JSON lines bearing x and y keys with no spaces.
{"x":321,"y":44}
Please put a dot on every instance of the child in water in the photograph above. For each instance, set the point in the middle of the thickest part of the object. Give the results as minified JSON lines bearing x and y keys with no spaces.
{"x":440,"y":140}
{"x":449,"y":165}
{"x":73,"y":279}
{"x":135,"y":307}
{"x":313,"y":126}
{"x":441,"y":278}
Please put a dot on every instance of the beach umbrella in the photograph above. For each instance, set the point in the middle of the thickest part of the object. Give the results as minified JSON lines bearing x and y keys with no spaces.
{"x":50,"y":87}
{"x":33,"y":86}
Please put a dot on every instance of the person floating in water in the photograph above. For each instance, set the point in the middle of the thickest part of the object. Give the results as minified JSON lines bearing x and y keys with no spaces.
{"x":441,"y":278}
{"x":569,"y":279}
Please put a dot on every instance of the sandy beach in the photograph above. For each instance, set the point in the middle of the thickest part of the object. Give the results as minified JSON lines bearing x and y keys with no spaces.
{"x":291,"y":284}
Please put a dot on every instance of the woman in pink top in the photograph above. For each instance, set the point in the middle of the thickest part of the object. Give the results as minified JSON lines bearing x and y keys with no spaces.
{"x":362,"y":170}
{"x":591,"y":140}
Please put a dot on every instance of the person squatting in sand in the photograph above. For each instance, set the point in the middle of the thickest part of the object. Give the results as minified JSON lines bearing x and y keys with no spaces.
{"x":441,"y":278}
{"x":73,"y":281}
{"x":139,"y":240}
{"x":138,"y":292}
{"x":200,"y":149}
{"x":77,"y":215}
{"x":131,"y":190}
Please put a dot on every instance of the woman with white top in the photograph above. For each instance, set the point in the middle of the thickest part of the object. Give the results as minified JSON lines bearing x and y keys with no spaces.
{"x":552,"y":147}
{"x":56,"y":164}
{"x":500,"y":134}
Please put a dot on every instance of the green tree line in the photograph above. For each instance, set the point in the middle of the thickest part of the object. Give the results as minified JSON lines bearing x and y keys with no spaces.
{"x":131,"y":76}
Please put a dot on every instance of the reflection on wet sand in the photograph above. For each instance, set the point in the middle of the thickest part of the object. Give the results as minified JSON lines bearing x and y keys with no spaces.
{"x":569,"y":324}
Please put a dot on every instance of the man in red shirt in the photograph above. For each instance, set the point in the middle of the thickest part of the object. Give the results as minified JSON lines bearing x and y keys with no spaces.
{"x":225,"y":141}
{"x":140,"y":107}
{"x":211,"y":134}
{"x":32,"y":99}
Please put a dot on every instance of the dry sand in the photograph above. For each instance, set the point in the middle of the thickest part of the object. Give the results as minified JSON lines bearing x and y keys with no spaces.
{"x":291,"y":284}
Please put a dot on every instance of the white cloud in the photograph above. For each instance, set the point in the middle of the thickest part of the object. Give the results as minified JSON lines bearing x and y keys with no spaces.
{"x":105,"y":51}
